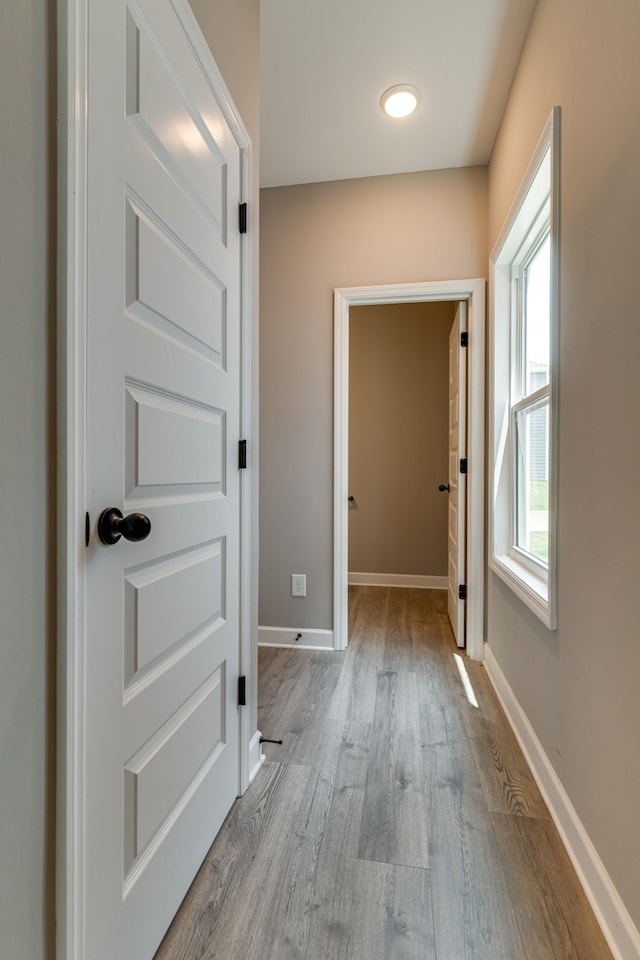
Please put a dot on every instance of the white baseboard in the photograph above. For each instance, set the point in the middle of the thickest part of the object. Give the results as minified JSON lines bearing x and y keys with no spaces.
{"x":397,"y":580}
{"x":617,"y":926}
{"x":256,"y":757}
{"x":303,"y":639}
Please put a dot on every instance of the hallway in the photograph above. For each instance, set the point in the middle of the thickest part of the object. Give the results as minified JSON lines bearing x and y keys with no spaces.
{"x":398,"y":821}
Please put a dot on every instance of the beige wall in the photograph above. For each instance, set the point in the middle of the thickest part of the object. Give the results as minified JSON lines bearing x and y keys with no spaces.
{"x":27,"y":402}
{"x":398,"y":437}
{"x":27,"y":446}
{"x":579,"y":686}
{"x":315,"y":237}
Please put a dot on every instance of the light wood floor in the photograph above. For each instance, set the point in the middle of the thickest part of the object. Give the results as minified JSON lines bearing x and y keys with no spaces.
{"x":396,"y":822}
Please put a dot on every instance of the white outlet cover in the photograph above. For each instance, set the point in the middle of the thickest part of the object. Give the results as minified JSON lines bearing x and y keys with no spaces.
{"x":298,"y":584}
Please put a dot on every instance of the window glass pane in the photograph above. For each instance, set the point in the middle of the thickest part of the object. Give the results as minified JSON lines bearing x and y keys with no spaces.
{"x":537,"y":319}
{"x":532,"y":480}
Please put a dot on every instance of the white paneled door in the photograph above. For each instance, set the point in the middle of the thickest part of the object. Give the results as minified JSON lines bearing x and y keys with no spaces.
{"x":160,"y":738}
{"x":457,"y":476}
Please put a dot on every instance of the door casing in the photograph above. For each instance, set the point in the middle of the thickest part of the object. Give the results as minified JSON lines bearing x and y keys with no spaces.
{"x":71,"y":510}
{"x":473,"y":292}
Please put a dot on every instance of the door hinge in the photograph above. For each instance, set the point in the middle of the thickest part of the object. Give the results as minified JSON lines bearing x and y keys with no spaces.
{"x":462,"y":591}
{"x":242,"y":455}
{"x":242,"y":691}
{"x":242,"y":218}
{"x":464,"y":339}
{"x":463,"y":465}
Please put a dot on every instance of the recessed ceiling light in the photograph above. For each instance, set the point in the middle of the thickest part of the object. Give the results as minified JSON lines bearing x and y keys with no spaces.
{"x":400,"y":100}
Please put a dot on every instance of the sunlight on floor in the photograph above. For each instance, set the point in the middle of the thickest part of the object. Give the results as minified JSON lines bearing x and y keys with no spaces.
{"x":466,"y":682}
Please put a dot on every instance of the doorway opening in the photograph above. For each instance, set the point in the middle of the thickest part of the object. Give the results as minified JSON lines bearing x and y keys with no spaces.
{"x":471,"y":294}
{"x":398,"y":444}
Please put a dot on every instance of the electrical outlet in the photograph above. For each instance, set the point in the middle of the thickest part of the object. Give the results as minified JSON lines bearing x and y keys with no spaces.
{"x":298,"y":584}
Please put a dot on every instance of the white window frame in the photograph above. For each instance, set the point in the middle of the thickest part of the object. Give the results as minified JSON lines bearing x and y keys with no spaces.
{"x":535,"y":213}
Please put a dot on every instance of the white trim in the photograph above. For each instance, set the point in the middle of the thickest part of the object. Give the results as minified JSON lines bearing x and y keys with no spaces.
{"x":473,"y":292}
{"x":256,"y":756}
{"x":72,"y":333}
{"x":287,"y":637}
{"x":532,"y":590}
{"x":612,"y":915}
{"x":398,"y":580}
{"x":539,"y":192}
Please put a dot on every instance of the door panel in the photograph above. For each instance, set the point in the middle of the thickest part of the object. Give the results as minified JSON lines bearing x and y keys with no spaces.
{"x":154,"y":776}
{"x":192,"y":448}
{"x":157,"y":102}
{"x":153,"y":620}
{"x":161,"y":738}
{"x":457,"y":480}
{"x":164,"y":279}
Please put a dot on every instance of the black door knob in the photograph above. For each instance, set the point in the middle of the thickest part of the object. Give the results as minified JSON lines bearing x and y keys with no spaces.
{"x":443,"y":487}
{"x":112,"y":525}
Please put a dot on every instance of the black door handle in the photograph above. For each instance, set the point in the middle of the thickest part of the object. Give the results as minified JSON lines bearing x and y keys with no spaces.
{"x":443,"y":487}
{"x":112,"y":525}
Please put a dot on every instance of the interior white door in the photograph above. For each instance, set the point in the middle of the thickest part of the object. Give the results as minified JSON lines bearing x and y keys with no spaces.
{"x":161,"y":731}
{"x":457,"y":479}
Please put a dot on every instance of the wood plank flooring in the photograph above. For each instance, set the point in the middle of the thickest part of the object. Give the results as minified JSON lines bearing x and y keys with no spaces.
{"x":397,"y":821}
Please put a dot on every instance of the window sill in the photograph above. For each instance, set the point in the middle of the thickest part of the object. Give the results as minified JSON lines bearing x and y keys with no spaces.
{"x":531,"y":589}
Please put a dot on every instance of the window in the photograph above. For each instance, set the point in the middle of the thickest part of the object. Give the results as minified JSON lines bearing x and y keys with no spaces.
{"x":524,"y":294}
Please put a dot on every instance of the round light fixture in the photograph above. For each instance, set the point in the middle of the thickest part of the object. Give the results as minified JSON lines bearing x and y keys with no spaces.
{"x":400,"y":100}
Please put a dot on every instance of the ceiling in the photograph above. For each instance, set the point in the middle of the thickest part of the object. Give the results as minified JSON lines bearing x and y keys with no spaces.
{"x":325,"y":64}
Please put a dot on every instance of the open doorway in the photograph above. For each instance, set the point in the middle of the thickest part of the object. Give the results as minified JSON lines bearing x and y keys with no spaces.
{"x":398,"y":443}
{"x":470,"y":293}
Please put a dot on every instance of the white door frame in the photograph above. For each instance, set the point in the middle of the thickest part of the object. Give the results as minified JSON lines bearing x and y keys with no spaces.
{"x":71,"y":510}
{"x":473,"y":292}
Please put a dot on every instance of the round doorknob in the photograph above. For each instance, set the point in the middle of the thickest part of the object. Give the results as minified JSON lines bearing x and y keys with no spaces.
{"x":443,"y":487}
{"x":112,"y":525}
